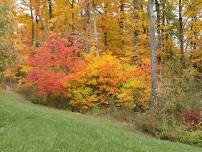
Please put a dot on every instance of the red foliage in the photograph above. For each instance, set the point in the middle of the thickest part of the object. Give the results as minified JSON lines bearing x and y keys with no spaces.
{"x":46,"y":81}
{"x":55,"y":54}
{"x":192,"y":118}
{"x":51,"y":63}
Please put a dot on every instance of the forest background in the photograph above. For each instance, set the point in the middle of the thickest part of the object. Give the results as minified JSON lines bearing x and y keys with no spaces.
{"x":135,"y":61}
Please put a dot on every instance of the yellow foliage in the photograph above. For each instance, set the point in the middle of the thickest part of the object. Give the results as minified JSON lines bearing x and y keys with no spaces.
{"x":105,"y":79}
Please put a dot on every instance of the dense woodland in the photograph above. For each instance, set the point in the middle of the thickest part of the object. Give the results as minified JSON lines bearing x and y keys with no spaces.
{"x":137,"y":61}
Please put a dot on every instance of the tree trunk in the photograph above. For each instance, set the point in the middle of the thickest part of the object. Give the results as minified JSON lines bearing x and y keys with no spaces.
{"x":159,"y":36}
{"x":87,"y":25}
{"x":136,"y":8}
{"x":181,"y":32}
{"x":121,"y":22}
{"x":32,"y":18}
{"x":193,"y":39}
{"x":38,"y":20}
{"x":95,"y":29}
{"x":104,"y":27}
{"x":163,"y":20}
{"x":158,"y":13}
{"x":50,"y":10}
{"x":72,"y":6}
{"x":153,"y":55}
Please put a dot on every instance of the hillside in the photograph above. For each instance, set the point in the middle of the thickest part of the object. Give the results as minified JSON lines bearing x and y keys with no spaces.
{"x":25,"y":127}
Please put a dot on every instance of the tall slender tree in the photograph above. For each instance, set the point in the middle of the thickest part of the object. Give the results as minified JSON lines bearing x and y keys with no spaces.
{"x":121,"y":21}
{"x":158,"y":21}
{"x":95,"y":28}
{"x":32,"y":20}
{"x":181,"y":32}
{"x":87,"y":49}
{"x":50,"y":9}
{"x":136,"y":9}
{"x":153,"y":54}
{"x":72,"y":7}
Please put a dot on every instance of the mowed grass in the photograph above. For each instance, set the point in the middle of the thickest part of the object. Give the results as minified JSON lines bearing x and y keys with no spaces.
{"x":25,"y":127}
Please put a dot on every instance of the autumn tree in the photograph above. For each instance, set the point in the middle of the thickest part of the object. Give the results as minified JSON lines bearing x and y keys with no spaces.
{"x":50,"y":63}
{"x":7,"y":53}
{"x":192,"y":28}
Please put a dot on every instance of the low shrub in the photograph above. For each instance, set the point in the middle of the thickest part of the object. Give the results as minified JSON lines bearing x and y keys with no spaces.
{"x":105,"y":82}
{"x":190,"y":137}
{"x":31,"y":93}
{"x":193,"y":119}
{"x":154,"y":124}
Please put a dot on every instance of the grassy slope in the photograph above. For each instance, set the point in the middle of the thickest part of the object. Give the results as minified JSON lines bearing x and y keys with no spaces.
{"x":30,"y":128}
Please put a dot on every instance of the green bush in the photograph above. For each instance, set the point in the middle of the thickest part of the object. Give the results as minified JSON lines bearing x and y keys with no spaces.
{"x":190,"y":137}
{"x":167,"y":128}
{"x":180,"y":92}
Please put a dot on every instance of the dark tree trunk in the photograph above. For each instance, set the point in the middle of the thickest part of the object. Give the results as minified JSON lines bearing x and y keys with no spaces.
{"x":37,"y":18}
{"x":87,"y":25}
{"x":181,"y":32}
{"x":136,"y":8}
{"x":32,"y":18}
{"x":72,"y":6}
{"x":163,"y":24}
{"x":158,"y":13}
{"x":104,"y":27}
{"x":121,"y":22}
{"x":50,"y":10}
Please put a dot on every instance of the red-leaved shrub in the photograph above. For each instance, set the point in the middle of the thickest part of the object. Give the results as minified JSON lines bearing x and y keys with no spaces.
{"x":193,"y":118}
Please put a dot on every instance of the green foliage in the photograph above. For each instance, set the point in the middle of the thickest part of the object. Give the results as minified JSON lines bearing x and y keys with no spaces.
{"x":166,"y":127}
{"x":30,"y":92}
{"x":180,"y":91}
{"x":189,"y":137}
{"x":179,"y":101}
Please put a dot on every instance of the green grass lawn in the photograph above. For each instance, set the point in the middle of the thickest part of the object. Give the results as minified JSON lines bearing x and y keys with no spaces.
{"x":25,"y":127}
